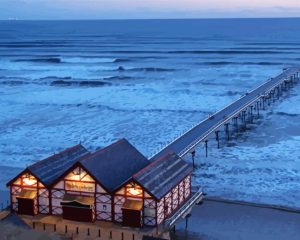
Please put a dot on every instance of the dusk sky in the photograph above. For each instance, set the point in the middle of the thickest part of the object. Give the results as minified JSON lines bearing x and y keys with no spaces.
{"x":116,"y":9}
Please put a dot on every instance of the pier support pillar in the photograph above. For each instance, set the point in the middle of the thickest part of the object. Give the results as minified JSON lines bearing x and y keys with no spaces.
{"x":273,"y":94}
{"x":263,"y":101}
{"x":251,"y":114}
{"x":193,"y":158}
{"x":226,"y":125}
{"x":235,"y":123}
{"x":217,"y":138}
{"x":278,"y":92}
{"x":244,"y":117}
{"x":206,"y":148}
{"x":187,"y":220}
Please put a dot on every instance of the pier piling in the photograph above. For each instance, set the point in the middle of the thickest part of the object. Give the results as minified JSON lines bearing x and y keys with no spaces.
{"x":217,"y":138}
{"x":206,"y":148}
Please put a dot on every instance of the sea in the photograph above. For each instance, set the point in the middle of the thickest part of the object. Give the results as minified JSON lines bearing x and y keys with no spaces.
{"x":93,"y":82}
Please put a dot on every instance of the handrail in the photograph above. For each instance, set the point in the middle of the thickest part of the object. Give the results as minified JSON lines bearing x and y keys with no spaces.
{"x":202,"y":137}
{"x":197,"y":197}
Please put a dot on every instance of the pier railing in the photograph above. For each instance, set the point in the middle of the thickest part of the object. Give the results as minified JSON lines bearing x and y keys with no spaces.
{"x":183,"y":211}
{"x":264,"y":93}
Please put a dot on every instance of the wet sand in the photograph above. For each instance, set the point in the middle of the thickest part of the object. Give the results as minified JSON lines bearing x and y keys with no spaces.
{"x":220,"y":220}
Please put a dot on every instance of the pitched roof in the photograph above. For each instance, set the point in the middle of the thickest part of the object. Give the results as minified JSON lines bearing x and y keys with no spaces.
{"x":160,"y":176}
{"x":114,"y":164}
{"x":49,"y":169}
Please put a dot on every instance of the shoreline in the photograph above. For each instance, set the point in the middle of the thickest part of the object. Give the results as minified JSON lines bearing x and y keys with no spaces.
{"x":253,"y":204}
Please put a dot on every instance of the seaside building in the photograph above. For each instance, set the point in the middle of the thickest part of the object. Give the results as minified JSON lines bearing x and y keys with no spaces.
{"x":116,"y":183}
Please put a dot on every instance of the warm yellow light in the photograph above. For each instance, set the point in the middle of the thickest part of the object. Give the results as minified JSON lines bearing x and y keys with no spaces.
{"x":135,"y":191}
{"x":74,"y":177}
{"x":28,"y":181}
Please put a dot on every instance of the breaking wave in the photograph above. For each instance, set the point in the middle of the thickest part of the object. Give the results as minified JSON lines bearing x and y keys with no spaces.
{"x":85,"y":83}
{"x":41,"y":60}
{"x":146,"y":69}
{"x":223,"y":63}
{"x":117,"y":60}
{"x":118,"y":78}
{"x":287,"y":114}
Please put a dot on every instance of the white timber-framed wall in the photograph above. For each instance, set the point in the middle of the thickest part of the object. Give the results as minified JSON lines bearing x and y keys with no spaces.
{"x":134,"y":191}
{"x":78,"y":181}
{"x":27,"y":181}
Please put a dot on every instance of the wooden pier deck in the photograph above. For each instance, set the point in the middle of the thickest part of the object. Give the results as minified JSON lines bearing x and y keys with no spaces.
{"x":252,"y":100}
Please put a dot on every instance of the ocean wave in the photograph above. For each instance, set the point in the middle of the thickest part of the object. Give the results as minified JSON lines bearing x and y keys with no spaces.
{"x":118,"y":78}
{"x":287,"y":114}
{"x":130,"y":110}
{"x":272,"y":43}
{"x":145,"y":69}
{"x":225,"y":52}
{"x":58,"y":59}
{"x":85,"y":83}
{"x":221,"y":63}
{"x":117,"y":60}
{"x":87,"y":59}
{"x":40,"y":60}
{"x":232,"y":93}
{"x":152,"y":69}
{"x":54,"y":81}
{"x":69,"y":81}
{"x":46,"y":45}
{"x":13,"y":82}
{"x":120,"y":60}
{"x":194,"y":52}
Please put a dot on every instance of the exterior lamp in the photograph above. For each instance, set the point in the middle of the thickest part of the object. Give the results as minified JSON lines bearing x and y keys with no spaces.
{"x":133,"y":190}
{"x":28,"y":181}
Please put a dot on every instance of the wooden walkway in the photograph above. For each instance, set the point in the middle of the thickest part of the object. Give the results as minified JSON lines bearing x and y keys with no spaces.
{"x":252,"y":100}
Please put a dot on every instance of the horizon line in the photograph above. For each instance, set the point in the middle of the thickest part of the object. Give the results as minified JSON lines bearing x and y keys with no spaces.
{"x":130,"y":19}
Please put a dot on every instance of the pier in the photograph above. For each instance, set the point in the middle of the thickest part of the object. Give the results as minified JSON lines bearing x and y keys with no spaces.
{"x":243,"y":109}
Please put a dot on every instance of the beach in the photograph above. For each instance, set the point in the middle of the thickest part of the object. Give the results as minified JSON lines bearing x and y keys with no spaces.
{"x":217,"y":220}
